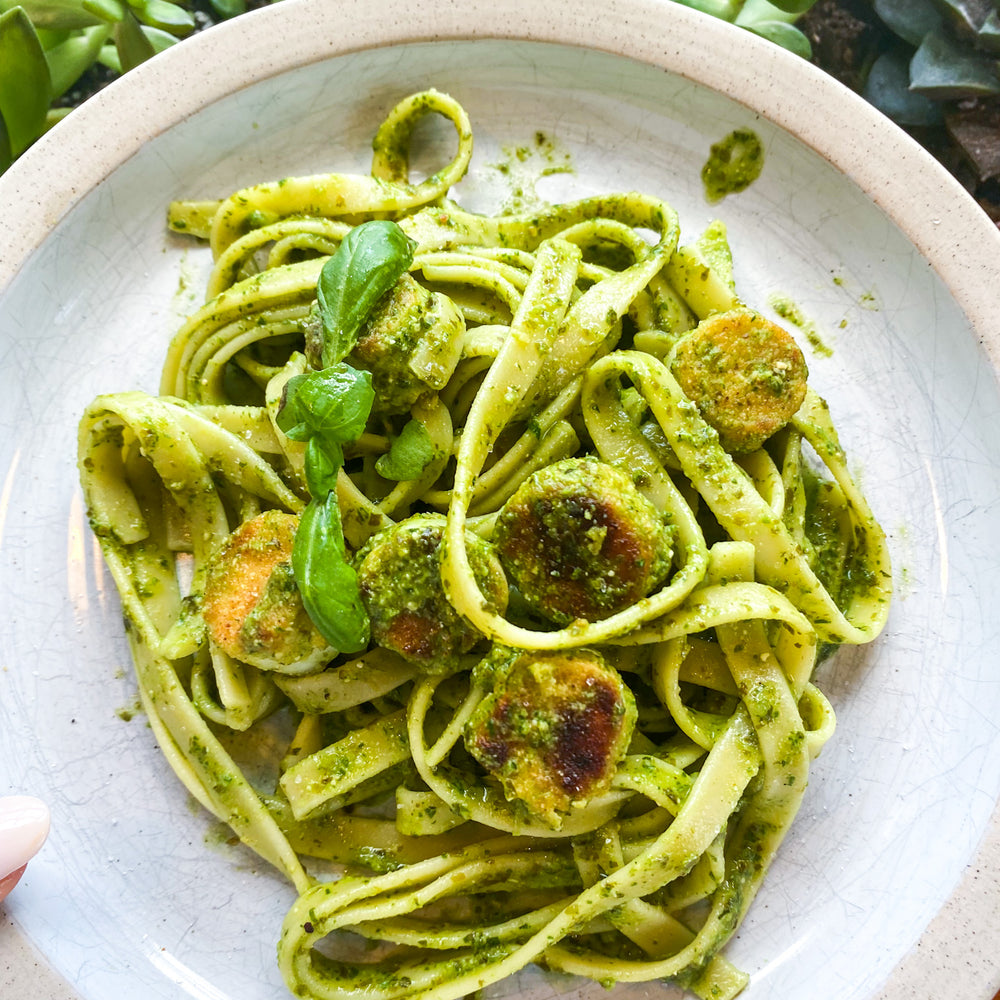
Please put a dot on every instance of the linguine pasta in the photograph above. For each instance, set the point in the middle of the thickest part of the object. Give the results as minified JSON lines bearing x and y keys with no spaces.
{"x":485,"y":759}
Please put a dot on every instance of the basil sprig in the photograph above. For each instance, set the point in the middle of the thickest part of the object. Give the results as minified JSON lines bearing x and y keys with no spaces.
{"x":409,"y":454}
{"x":330,"y":408}
{"x":327,"y":409}
{"x":369,"y":261}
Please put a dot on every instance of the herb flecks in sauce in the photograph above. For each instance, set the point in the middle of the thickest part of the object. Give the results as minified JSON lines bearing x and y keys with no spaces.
{"x":790,"y":311}
{"x":523,"y":166}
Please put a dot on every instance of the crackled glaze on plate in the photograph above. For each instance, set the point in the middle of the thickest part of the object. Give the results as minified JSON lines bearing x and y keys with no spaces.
{"x":884,"y":252}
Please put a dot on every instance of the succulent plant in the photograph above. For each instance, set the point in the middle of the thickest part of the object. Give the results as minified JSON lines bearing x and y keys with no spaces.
{"x":47,"y":45}
{"x":942,"y":51}
{"x":930,"y":65}
{"x":771,"y":19}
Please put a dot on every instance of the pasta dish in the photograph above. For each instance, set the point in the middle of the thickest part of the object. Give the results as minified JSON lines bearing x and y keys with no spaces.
{"x":475,"y":571}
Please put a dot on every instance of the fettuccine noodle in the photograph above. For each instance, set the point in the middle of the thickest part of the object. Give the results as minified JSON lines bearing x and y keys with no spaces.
{"x":506,"y":776}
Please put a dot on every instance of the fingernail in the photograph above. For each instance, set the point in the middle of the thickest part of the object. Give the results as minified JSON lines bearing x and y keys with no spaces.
{"x":24,"y":825}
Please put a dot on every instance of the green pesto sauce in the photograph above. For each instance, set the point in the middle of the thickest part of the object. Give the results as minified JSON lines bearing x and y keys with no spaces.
{"x":128,"y":712}
{"x":734,"y":163}
{"x":522,"y":166}
{"x":789,"y":311}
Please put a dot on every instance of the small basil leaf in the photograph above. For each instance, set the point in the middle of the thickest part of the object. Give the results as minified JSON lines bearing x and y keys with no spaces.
{"x":966,"y":16}
{"x":408,"y":455}
{"x":909,"y":19}
{"x":333,"y":403}
{"x":326,"y":579}
{"x":368,"y":262}
{"x":322,"y":463}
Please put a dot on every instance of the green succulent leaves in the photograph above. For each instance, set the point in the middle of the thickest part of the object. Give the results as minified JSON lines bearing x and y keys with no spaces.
{"x":771,"y":19}
{"x":25,"y":85}
{"x":948,"y":53}
{"x":47,"y":45}
{"x":943,"y":69}
{"x":409,"y":454}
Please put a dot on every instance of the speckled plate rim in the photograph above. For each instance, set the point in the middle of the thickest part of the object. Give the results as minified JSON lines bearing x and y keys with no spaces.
{"x":904,"y":181}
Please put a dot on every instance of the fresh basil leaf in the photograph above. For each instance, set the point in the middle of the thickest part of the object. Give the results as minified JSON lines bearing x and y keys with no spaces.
{"x":326,"y":409}
{"x":408,"y":455}
{"x":25,"y":84}
{"x":323,"y":461}
{"x":368,"y":262}
{"x":333,"y":403}
{"x":326,"y":579}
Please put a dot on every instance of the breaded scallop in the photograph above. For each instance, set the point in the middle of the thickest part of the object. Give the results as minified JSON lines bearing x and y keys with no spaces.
{"x":581,"y":542}
{"x":554,"y":730}
{"x":745,"y":374}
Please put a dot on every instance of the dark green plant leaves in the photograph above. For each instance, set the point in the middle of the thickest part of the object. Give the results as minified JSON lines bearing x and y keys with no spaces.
{"x":888,"y":89}
{"x":942,"y":69}
{"x":327,"y":409}
{"x":909,"y":19}
{"x":324,"y":459}
{"x":326,"y":579}
{"x":367,"y":264}
{"x":988,"y":36}
{"x":408,"y":455}
{"x":966,"y":16}
{"x":25,"y":85}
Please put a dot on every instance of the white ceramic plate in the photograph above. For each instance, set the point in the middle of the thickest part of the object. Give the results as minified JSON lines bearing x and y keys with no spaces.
{"x":895,"y":265}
